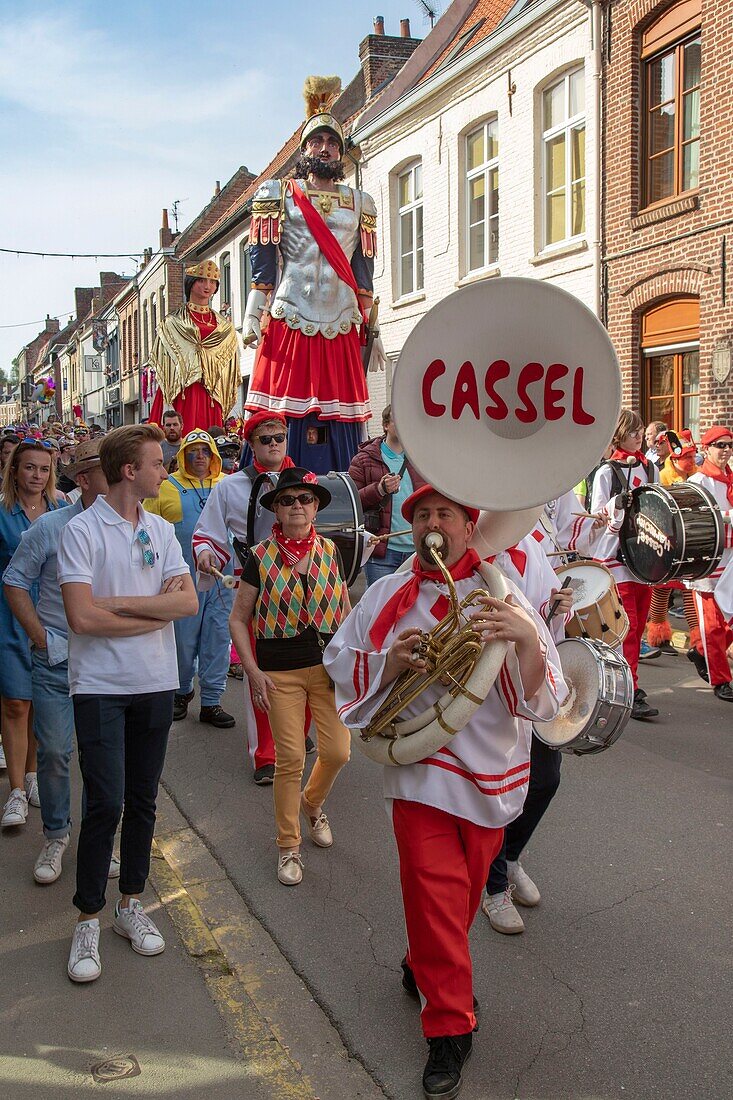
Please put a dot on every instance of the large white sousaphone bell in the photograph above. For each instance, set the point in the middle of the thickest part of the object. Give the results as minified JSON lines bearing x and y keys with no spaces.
{"x":506,"y":393}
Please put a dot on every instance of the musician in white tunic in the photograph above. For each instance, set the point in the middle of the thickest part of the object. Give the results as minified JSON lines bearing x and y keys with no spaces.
{"x":449,"y":810}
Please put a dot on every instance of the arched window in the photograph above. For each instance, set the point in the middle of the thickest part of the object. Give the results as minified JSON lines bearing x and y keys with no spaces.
{"x":670,"y":345}
{"x":410,"y":230}
{"x":563,"y":158}
{"x":671,"y":57}
{"x":225,"y":290}
{"x":482,"y":196}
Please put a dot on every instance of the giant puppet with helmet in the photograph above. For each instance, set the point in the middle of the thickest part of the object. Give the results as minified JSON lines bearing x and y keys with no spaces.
{"x":195,"y":356}
{"x":312,"y":249}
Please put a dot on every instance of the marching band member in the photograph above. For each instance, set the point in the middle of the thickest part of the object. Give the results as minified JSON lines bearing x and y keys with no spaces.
{"x":196,"y":356}
{"x":716,"y":476}
{"x":224,"y":517}
{"x":293,"y":598}
{"x":449,"y":810}
{"x":202,"y":641}
{"x":608,"y":484}
{"x":308,"y":363}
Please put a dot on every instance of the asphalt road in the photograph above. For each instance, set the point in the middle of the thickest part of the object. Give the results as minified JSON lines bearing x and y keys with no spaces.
{"x":621,"y":985}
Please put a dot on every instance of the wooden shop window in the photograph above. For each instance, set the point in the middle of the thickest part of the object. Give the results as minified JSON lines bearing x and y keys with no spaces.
{"x":671,"y":364}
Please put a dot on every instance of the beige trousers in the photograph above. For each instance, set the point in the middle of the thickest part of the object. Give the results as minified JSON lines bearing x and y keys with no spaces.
{"x":287,"y":715}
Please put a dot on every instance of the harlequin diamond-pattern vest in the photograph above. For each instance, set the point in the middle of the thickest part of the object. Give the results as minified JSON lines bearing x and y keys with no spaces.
{"x":281,"y":611}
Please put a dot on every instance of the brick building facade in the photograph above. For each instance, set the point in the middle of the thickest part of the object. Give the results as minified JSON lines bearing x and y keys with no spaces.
{"x":668,"y":206}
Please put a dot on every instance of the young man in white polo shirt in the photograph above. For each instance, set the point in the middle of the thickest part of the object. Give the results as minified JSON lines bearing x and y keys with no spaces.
{"x":124,"y":581}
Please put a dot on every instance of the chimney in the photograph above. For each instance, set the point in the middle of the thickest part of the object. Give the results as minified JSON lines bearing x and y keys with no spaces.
{"x":83,"y":301}
{"x":217,"y":188}
{"x":383,"y":55}
{"x":166,"y":237}
{"x":52,"y":325}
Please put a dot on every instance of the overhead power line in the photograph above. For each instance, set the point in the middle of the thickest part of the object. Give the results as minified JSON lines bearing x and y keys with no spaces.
{"x":76,"y":255}
{"x":42,"y":321}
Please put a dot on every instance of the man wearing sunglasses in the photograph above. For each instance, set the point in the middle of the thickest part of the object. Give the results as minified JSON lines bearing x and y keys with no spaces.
{"x":124,"y":582}
{"x":202,"y":642}
{"x":716,"y":476}
{"x":224,"y":518}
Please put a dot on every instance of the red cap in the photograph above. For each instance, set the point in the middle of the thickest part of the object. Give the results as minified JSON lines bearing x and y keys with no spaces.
{"x":261,"y":418}
{"x":410,"y":504}
{"x":712,"y":435}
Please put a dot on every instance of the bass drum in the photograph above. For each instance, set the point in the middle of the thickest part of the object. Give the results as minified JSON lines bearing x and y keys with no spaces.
{"x":342,"y":521}
{"x":672,"y":533}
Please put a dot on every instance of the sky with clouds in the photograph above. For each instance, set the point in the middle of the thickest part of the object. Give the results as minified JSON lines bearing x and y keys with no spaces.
{"x":110,"y":112}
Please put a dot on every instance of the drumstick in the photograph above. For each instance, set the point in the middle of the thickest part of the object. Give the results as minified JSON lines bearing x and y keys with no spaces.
{"x":588,"y":514}
{"x":392,"y":535}
{"x":227,"y":580}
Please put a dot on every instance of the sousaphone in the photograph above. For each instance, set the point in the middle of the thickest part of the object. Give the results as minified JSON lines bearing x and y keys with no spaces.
{"x":504,"y":396}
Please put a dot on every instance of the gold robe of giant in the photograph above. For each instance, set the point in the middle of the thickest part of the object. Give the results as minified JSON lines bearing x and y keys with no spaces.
{"x":180,"y":357}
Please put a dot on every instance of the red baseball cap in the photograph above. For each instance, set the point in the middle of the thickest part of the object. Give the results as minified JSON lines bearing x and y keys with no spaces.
{"x":412,"y":501}
{"x":261,"y":418}
{"x":712,"y":435}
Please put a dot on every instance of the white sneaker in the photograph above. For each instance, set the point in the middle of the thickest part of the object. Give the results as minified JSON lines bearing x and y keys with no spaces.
{"x":84,"y":963}
{"x":525,"y":891}
{"x":114,"y":868}
{"x":15,"y":810}
{"x":135,"y":925}
{"x":31,"y":789}
{"x":503,"y":917}
{"x":48,"y":864}
{"x":3,"y":761}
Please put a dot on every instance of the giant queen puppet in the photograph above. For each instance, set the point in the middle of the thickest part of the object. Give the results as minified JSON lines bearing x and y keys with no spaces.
{"x":196,"y":356}
{"x":312,"y":248}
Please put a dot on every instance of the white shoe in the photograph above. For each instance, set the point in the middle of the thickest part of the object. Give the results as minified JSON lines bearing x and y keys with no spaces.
{"x":31,"y":789}
{"x":290,"y":868}
{"x":525,"y":891}
{"x":15,"y":810}
{"x":3,"y":761}
{"x":135,"y":925}
{"x":503,"y":917}
{"x":48,"y":864}
{"x":84,"y":962}
{"x":114,"y":868}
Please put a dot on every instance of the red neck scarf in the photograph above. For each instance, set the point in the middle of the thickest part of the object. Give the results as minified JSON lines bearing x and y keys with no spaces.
{"x":621,"y":456}
{"x":403,"y":599}
{"x":726,"y":476}
{"x":293,"y":550}
{"x":287,"y":463}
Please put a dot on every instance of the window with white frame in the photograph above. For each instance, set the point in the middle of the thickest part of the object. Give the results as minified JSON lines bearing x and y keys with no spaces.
{"x":563,"y":154}
{"x":482,"y":196}
{"x":225,"y":290}
{"x":245,"y":272}
{"x":410,"y":230}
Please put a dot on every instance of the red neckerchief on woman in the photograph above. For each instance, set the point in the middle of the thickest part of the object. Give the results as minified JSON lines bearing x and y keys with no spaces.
{"x":620,"y":455}
{"x":403,"y":599}
{"x":287,"y":462}
{"x":293,"y":550}
{"x":726,"y":476}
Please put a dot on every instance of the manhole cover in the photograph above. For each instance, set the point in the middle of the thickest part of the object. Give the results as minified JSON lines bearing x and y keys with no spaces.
{"x":115,"y":1069}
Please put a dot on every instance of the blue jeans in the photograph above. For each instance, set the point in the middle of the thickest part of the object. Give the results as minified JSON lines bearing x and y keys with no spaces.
{"x":382,"y":567}
{"x":53,"y":721}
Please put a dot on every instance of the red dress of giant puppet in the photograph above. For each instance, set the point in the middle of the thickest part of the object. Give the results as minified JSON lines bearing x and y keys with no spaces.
{"x":312,"y":248}
{"x":196,"y":356}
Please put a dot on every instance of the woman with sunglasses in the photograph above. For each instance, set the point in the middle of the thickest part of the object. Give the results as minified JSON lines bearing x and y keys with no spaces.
{"x":715,"y":475}
{"x":28,"y":491}
{"x":293,"y":595}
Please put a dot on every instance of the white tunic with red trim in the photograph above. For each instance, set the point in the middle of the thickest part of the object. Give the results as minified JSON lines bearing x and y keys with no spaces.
{"x":482,"y":774}
{"x":529,"y":569}
{"x":571,"y":531}
{"x":225,"y":514}
{"x":607,"y":545}
{"x":719,"y":491}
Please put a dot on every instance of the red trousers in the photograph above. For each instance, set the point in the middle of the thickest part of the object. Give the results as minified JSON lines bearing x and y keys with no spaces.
{"x":715,"y":637}
{"x":444,"y":863}
{"x":636,"y":599}
{"x":260,"y":744}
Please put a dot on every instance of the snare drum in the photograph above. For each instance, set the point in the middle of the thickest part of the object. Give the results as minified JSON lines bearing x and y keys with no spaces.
{"x":597,"y":611}
{"x":599,"y":705}
{"x":672,"y":532}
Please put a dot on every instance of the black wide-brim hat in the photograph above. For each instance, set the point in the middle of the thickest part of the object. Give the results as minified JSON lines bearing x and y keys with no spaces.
{"x":297,"y":478}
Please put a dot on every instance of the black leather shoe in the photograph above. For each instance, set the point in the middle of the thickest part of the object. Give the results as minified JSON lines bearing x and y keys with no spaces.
{"x":724,"y":692}
{"x":442,"y":1078}
{"x":215,"y":716}
{"x":641,"y":710}
{"x":264,"y":776}
{"x":668,"y":648}
{"x":410,"y":986}
{"x":309,"y":746}
{"x":180,"y":705}
{"x":700,"y":663}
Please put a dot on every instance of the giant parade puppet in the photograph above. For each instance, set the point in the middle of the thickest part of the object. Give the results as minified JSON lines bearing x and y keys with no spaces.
{"x":312,"y":248}
{"x":196,"y":356}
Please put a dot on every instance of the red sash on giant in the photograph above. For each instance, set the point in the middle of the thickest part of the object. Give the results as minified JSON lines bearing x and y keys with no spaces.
{"x":323,"y":237}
